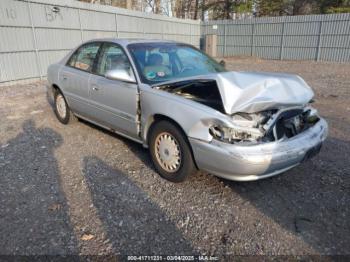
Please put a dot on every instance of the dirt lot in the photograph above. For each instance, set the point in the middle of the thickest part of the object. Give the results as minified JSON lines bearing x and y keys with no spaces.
{"x":77,"y":189}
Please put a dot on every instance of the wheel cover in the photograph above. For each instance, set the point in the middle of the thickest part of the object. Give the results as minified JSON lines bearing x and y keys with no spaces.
{"x":61,"y":106}
{"x":168,"y":152}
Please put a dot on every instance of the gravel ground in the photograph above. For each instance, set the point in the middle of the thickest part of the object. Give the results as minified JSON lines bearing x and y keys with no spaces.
{"x":77,"y":189}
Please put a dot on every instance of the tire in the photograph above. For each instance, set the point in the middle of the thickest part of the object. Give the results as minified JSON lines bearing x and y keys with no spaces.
{"x":170,"y":152}
{"x":61,"y":109}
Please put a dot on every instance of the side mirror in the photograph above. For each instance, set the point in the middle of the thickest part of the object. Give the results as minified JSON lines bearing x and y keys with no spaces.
{"x":121,"y":75}
{"x":223,"y":63}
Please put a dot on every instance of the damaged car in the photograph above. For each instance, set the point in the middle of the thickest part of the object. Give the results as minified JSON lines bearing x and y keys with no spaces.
{"x":188,"y":109}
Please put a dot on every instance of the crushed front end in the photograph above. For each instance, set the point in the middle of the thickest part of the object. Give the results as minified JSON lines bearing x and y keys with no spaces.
{"x":262,"y":144}
{"x":266,"y":124}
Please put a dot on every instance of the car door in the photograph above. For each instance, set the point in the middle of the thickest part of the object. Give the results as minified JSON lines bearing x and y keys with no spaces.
{"x":75,"y":76}
{"x":114,"y":101}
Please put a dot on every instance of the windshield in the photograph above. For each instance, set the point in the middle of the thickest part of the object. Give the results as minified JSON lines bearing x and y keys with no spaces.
{"x":160,"y":62}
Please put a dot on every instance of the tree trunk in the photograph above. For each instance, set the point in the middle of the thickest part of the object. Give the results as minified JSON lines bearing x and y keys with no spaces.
{"x":227,"y":9}
{"x":183,"y":9}
{"x":128,"y":4}
{"x":303,"y":7}
{"x":196,"y":10}
{"x":157,"y":7}
{"x":203,"y":9}
{"x":188,"y":9}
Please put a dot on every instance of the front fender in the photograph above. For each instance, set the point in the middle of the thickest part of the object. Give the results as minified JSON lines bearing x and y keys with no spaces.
{"x":194,"y":118}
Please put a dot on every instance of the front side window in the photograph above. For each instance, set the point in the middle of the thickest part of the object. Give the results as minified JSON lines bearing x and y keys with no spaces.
{"x":84,"y":57}
{"x":112,"y":57}
{"x":160,"y":62}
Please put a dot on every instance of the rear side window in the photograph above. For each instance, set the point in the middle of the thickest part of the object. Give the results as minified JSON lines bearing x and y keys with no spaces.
{"x":84,"y":57}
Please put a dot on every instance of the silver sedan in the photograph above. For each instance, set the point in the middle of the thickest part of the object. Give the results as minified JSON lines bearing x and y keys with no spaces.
{"x":188,"y":109}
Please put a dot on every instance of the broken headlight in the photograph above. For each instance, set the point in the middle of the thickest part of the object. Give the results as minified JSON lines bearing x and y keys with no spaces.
{"x":231,"y":135}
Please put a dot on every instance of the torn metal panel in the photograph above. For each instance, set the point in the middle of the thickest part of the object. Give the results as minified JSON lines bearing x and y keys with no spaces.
{"x":253,"y":92}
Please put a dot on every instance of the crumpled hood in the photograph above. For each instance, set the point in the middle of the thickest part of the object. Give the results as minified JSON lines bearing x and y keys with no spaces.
{"x":253,"y":92}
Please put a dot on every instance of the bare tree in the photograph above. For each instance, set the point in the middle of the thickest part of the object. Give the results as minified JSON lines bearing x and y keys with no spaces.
{"x":177,"y":8}
{"x":195,"y":17}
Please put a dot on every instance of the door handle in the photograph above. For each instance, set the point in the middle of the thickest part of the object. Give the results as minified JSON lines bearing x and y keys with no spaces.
{"x":64,"y":77}
{"x":95,"y":88}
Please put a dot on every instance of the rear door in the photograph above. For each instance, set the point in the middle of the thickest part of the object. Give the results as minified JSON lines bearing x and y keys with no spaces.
{"x":75,"y":77}
{"x":114,"y":101}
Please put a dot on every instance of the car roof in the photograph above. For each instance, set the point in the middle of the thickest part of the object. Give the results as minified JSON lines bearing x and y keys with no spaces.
{"x":126,"y":41}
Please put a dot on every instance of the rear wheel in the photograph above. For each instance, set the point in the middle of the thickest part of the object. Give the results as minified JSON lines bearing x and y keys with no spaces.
{"x":62,"y":111}
{"x":170,"y":151}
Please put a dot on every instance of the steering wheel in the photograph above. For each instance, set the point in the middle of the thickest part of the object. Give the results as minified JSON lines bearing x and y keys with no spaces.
{"x":186,"y":68}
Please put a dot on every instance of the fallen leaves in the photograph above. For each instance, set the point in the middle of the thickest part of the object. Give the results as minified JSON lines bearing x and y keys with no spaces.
{"x":36,"y":112}
{"x":5,"y":145}
{"x":87,"y":237}
{"x":55,"y":207}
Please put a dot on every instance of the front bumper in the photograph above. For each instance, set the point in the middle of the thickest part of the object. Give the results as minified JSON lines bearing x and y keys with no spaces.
{"x":253,"y":162}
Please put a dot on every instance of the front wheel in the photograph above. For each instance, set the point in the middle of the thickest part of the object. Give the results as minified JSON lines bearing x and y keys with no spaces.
{"x":170,"y":152}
